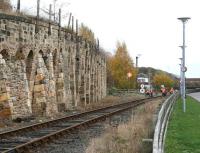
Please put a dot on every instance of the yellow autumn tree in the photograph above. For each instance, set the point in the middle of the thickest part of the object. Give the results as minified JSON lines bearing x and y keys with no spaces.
{"x":86,"y":33}
{"x":110,"y":80}
{"x":163,"y":79}
{"x":121,"y":64}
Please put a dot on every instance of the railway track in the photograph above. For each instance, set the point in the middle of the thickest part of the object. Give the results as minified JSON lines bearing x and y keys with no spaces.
{"x":25,"y":139}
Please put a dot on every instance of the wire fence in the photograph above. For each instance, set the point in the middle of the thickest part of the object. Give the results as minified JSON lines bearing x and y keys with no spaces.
{"x":29,"y":8}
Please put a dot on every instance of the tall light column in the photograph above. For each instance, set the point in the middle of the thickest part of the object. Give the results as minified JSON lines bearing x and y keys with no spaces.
{"x":183,"y":68}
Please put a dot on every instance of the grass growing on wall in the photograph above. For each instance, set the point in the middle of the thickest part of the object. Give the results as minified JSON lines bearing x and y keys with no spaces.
{"x":183,"y":134}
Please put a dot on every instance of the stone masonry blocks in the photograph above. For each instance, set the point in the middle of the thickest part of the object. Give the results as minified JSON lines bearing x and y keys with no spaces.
{"x":42,"y":73}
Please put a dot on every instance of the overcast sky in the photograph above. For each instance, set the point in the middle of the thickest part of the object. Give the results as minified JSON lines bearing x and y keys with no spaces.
{"x":149,"y":28}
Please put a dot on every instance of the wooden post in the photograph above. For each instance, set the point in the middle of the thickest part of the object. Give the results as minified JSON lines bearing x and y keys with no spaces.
{"x":70,"y":16}
{"x":18,"y":6}
{"x":76,"y":27}
{"x":97,"y":43}
{"x":72,"y":24}
{"x":59,"y":24}
{"x":50,"y":13}
{"x":59,"y":17}
{"x":37,"y":18}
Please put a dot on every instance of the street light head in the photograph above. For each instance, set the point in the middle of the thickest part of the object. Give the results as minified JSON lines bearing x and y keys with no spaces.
{"x":184,"y":19}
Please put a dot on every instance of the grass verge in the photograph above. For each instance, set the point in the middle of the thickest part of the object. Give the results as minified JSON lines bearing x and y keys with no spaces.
{"x":183,"y":134}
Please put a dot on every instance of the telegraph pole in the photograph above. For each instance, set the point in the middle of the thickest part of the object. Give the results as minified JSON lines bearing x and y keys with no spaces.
{"x":183,"y":68}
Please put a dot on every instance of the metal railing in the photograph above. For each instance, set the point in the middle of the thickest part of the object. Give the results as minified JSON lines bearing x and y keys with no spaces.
{"x":162,"y":121}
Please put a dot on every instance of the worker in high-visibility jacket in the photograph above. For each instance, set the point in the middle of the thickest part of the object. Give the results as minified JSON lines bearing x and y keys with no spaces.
{"x":171,"y":90}
{"x":164,"y":91}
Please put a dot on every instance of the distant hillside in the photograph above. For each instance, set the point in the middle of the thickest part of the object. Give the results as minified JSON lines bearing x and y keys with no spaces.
{"x":153,"y":71}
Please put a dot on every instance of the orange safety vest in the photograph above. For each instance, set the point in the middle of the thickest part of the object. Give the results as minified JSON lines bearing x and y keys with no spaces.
{"x":163,"y":90}
{"x":171,"y":90}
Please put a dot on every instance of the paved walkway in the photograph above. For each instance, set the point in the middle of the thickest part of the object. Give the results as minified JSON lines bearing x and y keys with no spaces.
{"x":195,"y":95}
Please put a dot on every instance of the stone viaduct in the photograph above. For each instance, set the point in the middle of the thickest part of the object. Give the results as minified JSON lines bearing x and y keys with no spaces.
{"x":45,"y":68}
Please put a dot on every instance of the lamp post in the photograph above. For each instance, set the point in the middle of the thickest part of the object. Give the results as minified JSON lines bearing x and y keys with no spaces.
{"x":183,"y":68}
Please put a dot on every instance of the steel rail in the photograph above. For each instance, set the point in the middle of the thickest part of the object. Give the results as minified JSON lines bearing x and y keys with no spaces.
{"x":54,"y":135}
{"x":48,"y":123}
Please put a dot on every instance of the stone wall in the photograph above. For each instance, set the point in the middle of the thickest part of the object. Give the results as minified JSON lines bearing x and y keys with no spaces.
{"x":45,"y":69}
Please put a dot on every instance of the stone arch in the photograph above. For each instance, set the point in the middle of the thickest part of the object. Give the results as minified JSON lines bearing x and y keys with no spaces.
{"x":40,"y":98}
{"x":40,"y":53}
{"x":5,"y":54}
{"x":19,"y":55}
{"x":60,"y":61}
{"x":5,"y":108}
{"x":55,"y":61}
{"x":45,"y":58}
{"x":55,"y":57}
{"x":68,"y":57}
{"x":29,"y":64}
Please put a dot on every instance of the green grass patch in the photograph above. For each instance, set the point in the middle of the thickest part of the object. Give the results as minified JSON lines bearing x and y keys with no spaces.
{"x":183,"y":134}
